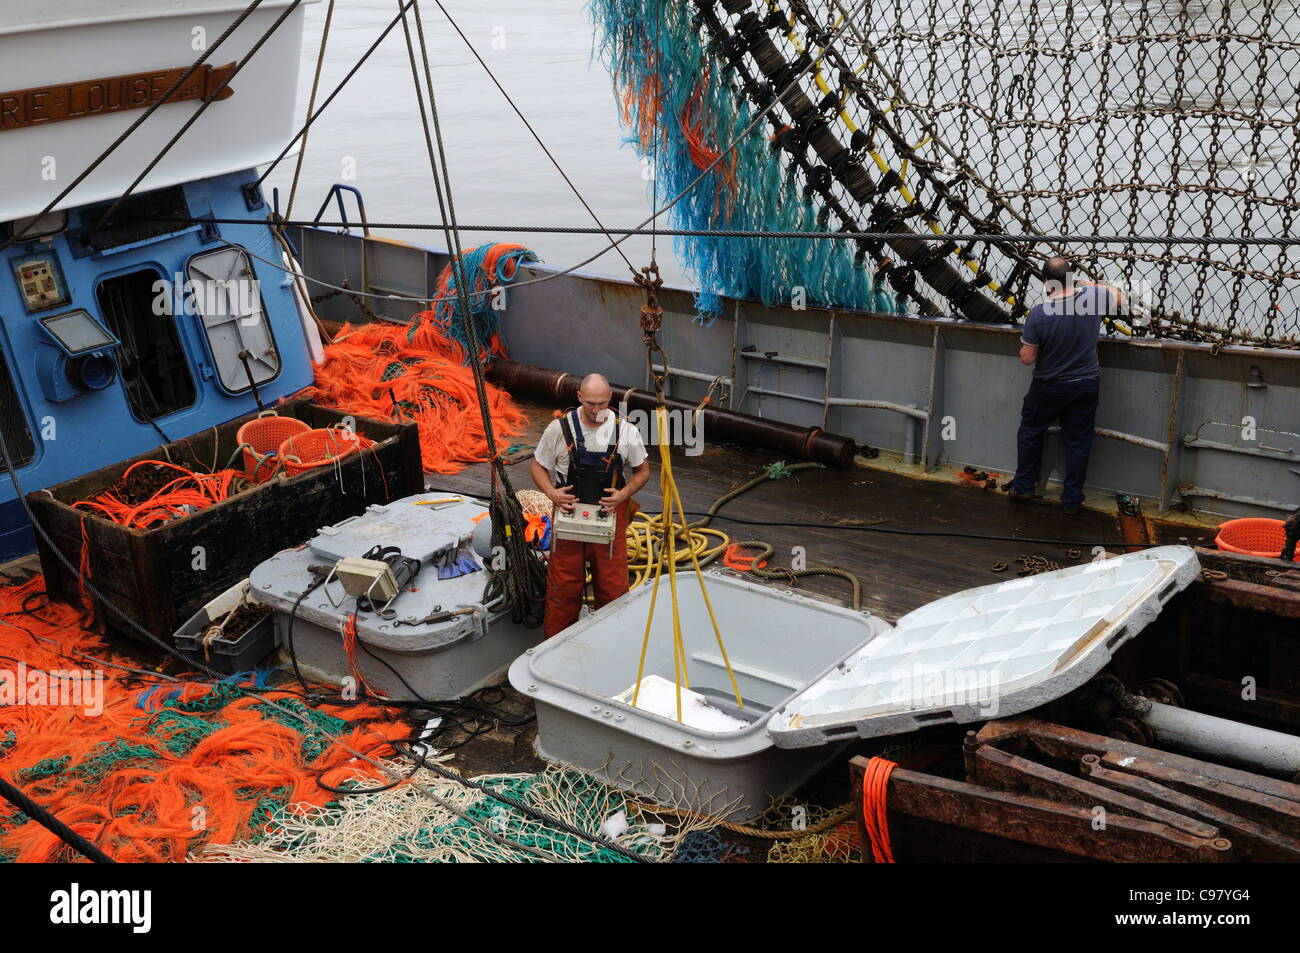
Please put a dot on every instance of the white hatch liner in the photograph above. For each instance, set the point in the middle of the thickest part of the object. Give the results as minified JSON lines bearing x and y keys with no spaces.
{"x":811,"y":673}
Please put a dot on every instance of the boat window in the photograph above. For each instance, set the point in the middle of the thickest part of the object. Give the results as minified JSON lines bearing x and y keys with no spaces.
{"x":152,"y":362}
{"x":228,"y":297}
{"x":13,"y":422}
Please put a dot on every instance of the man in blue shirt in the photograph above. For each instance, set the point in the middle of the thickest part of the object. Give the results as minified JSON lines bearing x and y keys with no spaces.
{"x":1060,"y":340}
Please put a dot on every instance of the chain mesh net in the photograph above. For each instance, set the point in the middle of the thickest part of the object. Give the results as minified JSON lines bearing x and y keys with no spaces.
{"x":1170,"y":124}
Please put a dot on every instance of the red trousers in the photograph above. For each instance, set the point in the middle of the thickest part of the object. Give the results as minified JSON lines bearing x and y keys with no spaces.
{"x":568,"y":563}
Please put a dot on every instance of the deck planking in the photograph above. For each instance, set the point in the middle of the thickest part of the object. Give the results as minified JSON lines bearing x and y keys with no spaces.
{"x":899,"y":569}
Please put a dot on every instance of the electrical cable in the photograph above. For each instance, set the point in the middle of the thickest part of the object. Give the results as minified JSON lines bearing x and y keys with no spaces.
{"x":951,"y":534}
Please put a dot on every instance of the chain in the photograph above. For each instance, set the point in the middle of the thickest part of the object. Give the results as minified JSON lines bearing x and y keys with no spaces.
{"x":1175,"y":163}
{"x":1063,"y":139}
{"x":1292,"y":180}
{"x":1032,"y":564}
{"x":652,"y":319}
{"x":1136,"y":79}
{"x":1212,"y":164}
{"x":1099,"y":165}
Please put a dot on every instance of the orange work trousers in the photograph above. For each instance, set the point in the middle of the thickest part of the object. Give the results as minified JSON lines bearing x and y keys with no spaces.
{"x":568,"y":563}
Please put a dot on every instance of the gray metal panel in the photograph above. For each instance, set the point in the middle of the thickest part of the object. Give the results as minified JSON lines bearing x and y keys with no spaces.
{"x":579,"y":323}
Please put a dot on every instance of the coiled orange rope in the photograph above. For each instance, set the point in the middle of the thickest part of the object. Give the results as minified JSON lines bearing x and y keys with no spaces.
{"x":190,"y":489}
{"x":875,"y":781}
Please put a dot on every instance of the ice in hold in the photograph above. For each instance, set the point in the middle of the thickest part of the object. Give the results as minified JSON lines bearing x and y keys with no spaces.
{"x":659,"y":697}
{"x":615,"y":826}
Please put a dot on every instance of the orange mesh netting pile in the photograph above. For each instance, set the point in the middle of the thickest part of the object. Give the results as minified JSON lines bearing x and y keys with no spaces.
{"x":419,"y":372}
{"x":146,"y":768}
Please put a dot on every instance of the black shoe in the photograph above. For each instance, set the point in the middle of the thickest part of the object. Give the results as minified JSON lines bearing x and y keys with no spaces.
{"x":1018,"y":497}
{"x":1071,"y":509}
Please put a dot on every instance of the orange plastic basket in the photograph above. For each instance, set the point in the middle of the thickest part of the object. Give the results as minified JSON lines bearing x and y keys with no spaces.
{"x":264,"y":435}
{"x":1253,"y":537}
{"x":317,"y":448}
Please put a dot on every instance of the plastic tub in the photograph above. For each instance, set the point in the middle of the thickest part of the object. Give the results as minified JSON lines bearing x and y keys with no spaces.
{"x":1254,"y":536}
{"x":317,"y":448}
{"x":265,"y":435}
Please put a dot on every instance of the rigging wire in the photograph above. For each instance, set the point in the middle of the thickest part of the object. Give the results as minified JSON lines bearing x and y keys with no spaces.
{"x":521,"y":588}
{"x":301,"y":133}
{"x":654,"y":215}
{"x":180,"y":81}
{"x":185,"y":127}
{"x":532,"y":131}
{"x":1044,"y":238}
{"x":311,"y":105}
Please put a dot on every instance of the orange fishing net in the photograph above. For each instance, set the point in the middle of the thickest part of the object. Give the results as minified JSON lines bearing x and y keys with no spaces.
{"x":149,"y":769}
{"x":373,"y":370}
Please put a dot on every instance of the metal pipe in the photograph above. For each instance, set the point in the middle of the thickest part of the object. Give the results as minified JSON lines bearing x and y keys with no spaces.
{"x":1132,"y":438}
{"x":1200,"y":491}
{"x":805,"y":443}
{"x":904,"y":409}
{"x":1125,"y":437}
{"x":692,"y":375}
{"x":1221,"y":739}
{"x":1272,"y":453}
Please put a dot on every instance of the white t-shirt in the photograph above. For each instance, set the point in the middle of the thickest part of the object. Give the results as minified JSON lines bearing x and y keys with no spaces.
{"x":553,"y":455}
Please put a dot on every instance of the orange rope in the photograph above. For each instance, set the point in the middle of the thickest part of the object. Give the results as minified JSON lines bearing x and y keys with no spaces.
{"x":354,"y":663}
{"x":732,"y":557}
{"x":875,"y":781}
{"x":199,"y":490}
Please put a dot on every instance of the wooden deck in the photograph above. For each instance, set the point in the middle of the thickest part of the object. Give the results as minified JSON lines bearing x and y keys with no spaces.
{"x":865,"y":519}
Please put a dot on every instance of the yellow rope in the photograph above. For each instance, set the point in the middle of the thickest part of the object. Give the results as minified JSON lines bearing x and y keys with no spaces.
{"x":672,"y":500}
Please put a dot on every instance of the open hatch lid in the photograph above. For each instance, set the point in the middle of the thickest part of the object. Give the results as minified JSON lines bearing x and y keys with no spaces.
{"x":989,"y":652}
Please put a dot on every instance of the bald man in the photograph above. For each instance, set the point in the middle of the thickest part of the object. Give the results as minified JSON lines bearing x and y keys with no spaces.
{"x":583,"y":457}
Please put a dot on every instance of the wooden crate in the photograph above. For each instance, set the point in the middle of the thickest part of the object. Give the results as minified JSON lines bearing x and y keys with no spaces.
{"x":161,"y":576}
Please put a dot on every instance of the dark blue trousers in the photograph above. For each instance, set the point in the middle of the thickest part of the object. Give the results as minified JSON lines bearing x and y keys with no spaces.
{"x":1075,"y":404}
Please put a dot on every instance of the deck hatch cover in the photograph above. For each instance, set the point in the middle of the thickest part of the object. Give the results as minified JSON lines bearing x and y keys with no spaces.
{"x":420,"y":532}
{"x":228,"y":299}
{"x":989,"y":652}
